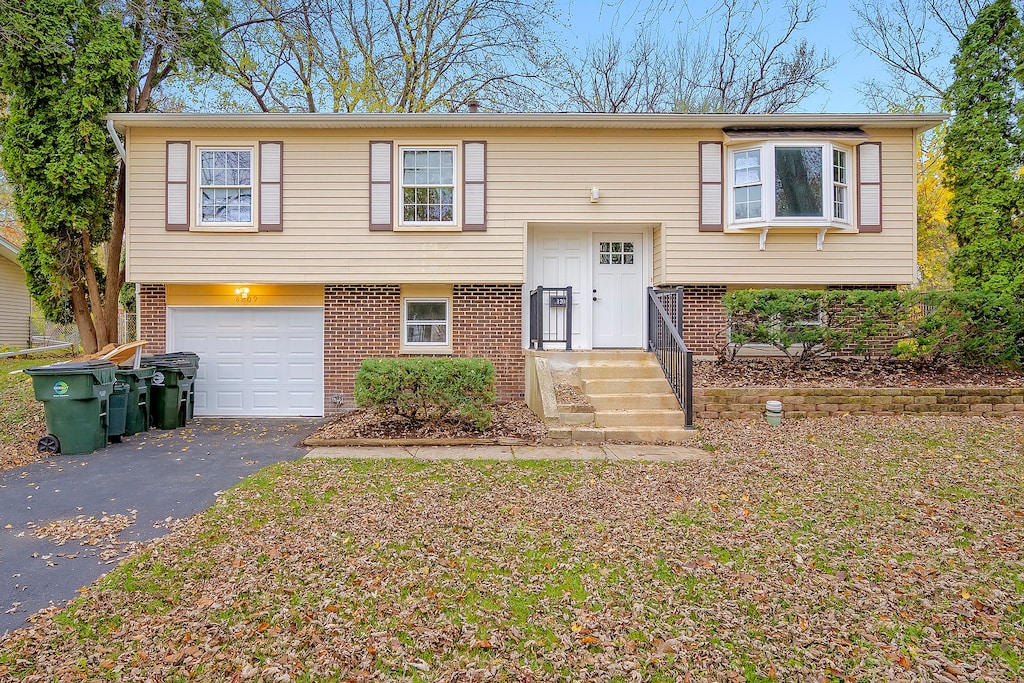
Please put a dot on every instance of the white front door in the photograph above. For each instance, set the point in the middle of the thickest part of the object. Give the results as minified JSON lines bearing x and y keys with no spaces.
{"x":618,"y":290}
{"x":253,"y":362}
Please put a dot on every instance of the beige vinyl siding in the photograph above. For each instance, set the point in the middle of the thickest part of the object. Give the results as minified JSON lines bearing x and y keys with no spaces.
{"x":15,"y":307}
{"x":534,"y":177}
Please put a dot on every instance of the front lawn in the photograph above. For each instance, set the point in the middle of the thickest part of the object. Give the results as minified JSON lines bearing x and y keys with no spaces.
{"x":853,"y":549}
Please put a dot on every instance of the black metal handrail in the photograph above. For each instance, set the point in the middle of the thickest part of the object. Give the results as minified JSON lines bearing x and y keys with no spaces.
{"x":665,"y":340}
{"x":552,"y":305}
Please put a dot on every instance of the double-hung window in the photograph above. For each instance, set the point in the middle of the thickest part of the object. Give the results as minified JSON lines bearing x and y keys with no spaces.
{"x":226,"y":186}
{"x":426,"y":322}
{"x":785,"y":183}
{"x":428,"y":181}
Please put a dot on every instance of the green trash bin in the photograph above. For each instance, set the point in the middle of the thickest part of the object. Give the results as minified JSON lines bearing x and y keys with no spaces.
{"x":138,"y":379}
{"x":171,"y":396}
{"x":184,"y":358}
{"x":76,"y":400}
{"x":117,"y":413}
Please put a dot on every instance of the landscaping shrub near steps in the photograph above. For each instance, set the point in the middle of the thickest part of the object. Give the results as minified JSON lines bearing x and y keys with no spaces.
{"x":805,"y":323}
{"x":429,"y":390}
{"x":975,"y":327}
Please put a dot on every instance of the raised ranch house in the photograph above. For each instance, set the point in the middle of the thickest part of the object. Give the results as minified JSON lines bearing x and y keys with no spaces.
{"x":15,"y":304}
{"x":286,"y":248}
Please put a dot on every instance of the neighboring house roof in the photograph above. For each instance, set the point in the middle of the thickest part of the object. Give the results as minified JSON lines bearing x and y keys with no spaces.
{"x":9,"y":251}
{"x":918,"y":122}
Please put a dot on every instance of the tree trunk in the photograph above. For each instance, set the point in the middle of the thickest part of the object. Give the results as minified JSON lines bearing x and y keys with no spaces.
{"x":80,"y":309}
{"x":115,"y":266}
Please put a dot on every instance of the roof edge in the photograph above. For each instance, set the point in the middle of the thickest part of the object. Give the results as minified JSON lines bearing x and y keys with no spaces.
{"x":9,"y":249}
{"x":920,"y":122}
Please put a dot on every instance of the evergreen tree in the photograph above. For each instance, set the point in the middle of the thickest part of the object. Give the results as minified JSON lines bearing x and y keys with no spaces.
{"x":65,"y":65}
{"x":983,"y":153}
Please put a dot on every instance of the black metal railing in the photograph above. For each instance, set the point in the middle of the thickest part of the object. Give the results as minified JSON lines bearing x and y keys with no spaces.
{"x":551,"y":317}
{"x":665,"y":340}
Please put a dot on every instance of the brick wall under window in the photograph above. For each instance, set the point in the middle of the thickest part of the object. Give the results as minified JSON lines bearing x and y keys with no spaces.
{"x":365,"y":321}
{"x":487,"y":322}
{"x":703,"y":318}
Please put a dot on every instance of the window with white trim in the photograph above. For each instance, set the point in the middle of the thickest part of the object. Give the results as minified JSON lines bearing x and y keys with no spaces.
{"x":428,"y":180}
{"x":789,"y":183}
{"x":426,"y":322}
{"x":226,"y":186}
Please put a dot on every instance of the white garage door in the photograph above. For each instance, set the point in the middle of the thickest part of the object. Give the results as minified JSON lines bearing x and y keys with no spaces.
{"x":254,"y":362}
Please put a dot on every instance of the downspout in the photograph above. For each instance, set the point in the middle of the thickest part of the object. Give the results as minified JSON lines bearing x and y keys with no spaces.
{"x":117,"y":142}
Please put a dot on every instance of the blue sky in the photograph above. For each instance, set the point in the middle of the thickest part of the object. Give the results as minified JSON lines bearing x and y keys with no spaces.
{"x":832,"y":29}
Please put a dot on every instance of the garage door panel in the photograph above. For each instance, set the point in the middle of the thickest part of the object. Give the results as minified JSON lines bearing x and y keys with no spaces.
{"x":253,"y":361}
{"x":227,"y":400}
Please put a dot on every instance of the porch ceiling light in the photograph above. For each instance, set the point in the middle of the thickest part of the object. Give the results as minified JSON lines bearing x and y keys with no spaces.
{"x":595,"y":194}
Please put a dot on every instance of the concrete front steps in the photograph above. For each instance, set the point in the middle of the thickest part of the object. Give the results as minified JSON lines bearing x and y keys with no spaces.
{"x":629,"y":399}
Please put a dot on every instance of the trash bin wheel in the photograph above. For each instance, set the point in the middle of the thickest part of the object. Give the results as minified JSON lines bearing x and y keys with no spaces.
{"x":48,"y":444}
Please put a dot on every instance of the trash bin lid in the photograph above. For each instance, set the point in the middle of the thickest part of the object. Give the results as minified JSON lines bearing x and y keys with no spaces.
{"x":75,"y":368}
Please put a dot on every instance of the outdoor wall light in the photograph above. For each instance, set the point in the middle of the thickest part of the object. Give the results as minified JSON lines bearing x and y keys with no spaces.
{"x":242,"y":293}
{"x":595,"y":194}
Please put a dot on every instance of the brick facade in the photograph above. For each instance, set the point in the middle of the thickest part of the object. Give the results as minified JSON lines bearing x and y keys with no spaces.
{"x":487,"y":322}
{"x":703,"y":318}
{"x":360,"y":321}
{"x":365,"y":321}
{"x":152,"y":304}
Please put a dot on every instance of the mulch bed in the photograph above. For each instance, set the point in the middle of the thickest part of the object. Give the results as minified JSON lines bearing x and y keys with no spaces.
{"x":847,"y":372}
{"x":513,"y":422}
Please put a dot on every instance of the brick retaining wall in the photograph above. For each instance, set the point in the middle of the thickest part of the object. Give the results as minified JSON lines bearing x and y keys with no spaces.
{"x":712,"y":403}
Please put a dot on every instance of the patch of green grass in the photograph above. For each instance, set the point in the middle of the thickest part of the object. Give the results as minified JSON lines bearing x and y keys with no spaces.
{"x":18,"y":397}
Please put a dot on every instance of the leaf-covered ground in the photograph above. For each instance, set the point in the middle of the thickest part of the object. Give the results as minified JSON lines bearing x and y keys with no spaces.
{"x":851,"y":549}
{"x":21,"y":421}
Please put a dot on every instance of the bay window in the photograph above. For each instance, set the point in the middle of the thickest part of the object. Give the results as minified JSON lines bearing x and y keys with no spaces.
{"x":788,"y":183}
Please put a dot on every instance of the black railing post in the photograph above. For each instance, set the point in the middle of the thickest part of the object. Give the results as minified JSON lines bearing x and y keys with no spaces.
{"x":688,"y":383}
{"x":568,"y":318}
{"x":679,"y":310}
{"x":650,"y":320}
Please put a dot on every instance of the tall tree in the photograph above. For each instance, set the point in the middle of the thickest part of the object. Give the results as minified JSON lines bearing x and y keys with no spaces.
{"x":739,"y":58}
{"x":66,"y":64}
{"x":983,"y":152}
{"x":935,"y":243}
{"x":385,"y":55}
{"x":914,"y":40}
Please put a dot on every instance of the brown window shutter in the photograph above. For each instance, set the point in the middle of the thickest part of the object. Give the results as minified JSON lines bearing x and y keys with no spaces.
{"x":711,"y":197}
{"x":869,"y":187}
{"x":474,"y":186}
{"x":381,"y":180}
{"x":271,"y":174}
{"x":176,"y":197}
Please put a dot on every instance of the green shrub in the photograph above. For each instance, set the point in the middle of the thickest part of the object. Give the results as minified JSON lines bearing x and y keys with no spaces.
{"x":429,"y":390}
{"x":806,"y":323}
{"x":976,"y":326}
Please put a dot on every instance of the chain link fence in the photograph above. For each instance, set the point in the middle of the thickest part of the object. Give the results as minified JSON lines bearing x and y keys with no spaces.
{"x":46,"y":333}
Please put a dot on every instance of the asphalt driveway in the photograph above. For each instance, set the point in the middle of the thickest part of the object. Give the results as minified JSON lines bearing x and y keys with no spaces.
{"x":147,"y":482}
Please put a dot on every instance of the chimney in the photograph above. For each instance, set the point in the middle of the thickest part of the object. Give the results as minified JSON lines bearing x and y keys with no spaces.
{"x":474,"y":106}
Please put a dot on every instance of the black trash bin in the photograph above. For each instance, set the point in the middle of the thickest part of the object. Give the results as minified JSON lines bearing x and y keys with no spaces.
{"x":76,"y":400}
{"x":117,"y":412}
{"x":138,"y":379}
{"x":171,"y":398}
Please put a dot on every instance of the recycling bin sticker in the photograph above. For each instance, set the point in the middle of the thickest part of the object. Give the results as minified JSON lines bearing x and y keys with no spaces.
{"x":60,"y":388}
{"x":158,"y":378}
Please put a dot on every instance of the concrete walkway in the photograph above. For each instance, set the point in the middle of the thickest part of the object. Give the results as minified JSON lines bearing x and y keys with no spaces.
{"x":608,"y":452}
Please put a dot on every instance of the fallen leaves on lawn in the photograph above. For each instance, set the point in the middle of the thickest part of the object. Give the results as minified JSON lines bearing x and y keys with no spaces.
{"x":869,"y":553}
